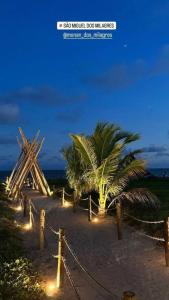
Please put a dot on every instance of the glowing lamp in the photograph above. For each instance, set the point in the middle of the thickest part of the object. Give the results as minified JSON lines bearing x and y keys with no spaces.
{"x":51,"y":289}
{"x":95,"y":220}
{"x":27,"y":226}
{"x":19,"y":208}
{"x":67,"y":204}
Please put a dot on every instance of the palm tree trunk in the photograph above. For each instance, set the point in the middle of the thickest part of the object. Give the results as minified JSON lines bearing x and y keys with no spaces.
{"x":102,"y":203}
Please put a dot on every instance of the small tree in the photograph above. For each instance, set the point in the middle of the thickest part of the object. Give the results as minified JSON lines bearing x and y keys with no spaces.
{"x":103,"y":165}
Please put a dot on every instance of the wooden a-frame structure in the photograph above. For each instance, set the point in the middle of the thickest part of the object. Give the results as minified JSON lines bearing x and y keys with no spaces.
{"x":26,"y":165}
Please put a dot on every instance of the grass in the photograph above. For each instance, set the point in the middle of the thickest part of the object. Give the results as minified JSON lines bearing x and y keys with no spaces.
{"x":158,"y":186}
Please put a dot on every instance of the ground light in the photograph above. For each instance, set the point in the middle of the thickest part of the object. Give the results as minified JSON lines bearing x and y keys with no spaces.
{"x":18,"y":208}
{"x":27,"y":226}
{"x":67,"y":204}
{"x":51,"y":288}
{"x":95,"y":220}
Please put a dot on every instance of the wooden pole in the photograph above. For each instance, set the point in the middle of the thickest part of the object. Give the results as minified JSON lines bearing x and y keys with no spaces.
{"x":129,"y":296}
{"x":60,"y":266}
{"x":166,"y":238}
{"x":118,"y":220}
{"x":90,"y":209}
{"x":30,"y":214}
{"x":25,"y":205}
{"x":63,"y":197}
{"x":41,"y":229}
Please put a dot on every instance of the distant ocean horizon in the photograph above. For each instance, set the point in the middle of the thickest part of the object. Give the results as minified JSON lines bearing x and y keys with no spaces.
{"x":49,"y":174}
{"x":56,"y":174}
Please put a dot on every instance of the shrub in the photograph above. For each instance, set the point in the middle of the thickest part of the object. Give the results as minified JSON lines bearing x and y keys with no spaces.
{"x":18,"y":281}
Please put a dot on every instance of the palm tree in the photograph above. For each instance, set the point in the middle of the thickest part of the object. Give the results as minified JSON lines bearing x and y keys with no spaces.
{"x":74,"y":170}
{"x":102,"y":165}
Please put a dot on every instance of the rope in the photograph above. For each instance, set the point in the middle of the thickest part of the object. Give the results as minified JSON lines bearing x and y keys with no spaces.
{"x":144,"y":221}
{"x":34,"y":208}
{"x":94,"y":203}
{"x":85,"y":270}
{"x":110,"y":208}
{"x":58,"y":190}
{"x":84,"y":199}
{"x":67,"y":194}
{"x":70,"y":278}
{"x":93,"y":213}
{"x":151,"y":237}
{"x":54,"y":231}
{"x":82,"y":208}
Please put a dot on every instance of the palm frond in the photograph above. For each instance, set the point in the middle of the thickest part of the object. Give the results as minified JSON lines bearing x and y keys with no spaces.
{"x":140,"y":195}
{"x":86,"y":150}
{"x":134,"y":169}
{"x":102,"y":140}
{"x":130,"y":157}
{"x":110,"y":164}
{"x":132,"y":138}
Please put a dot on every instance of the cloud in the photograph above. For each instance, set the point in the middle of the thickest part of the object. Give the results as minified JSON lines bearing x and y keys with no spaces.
{"x":9,"y":113}
{"x":124,"y":75}
{"x":162,"y":154}
{"x":43,"y":95}
{"x":4,"y":159}
{"x":119,"y":76}
{"x":69,"y":117}
{"x":155,"y":149}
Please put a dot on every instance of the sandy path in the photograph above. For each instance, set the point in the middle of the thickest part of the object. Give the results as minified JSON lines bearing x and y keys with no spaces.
{"x":135,"y":263}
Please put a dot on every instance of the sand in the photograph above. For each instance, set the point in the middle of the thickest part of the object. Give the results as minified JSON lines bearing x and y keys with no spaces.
{"x":134,"y":263}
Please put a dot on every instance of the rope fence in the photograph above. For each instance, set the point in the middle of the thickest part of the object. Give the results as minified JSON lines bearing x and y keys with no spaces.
{"x":76,"y":259}
{"x":70,"y":278}
{"x":151,"y":237}
{"x":69,"y":195}
{"x":84,"y":199}
{"x":63,"y":243}
{"x":143,"y":221}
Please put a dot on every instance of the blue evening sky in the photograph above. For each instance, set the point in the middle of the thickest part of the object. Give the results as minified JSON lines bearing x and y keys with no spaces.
{"x":65,"y":86}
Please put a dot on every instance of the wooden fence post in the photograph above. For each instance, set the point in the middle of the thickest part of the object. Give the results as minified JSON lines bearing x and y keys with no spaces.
{"x":60,"y":266}
{"x":41,"y":229}
{"x":90,"y":209}
{"x":129,"y":296}
{"x":30,"y":214}
{"x":166,"y":238}
{"x":25,"y":205}
{"x":63,"y":197}
{"x":118,"y":220}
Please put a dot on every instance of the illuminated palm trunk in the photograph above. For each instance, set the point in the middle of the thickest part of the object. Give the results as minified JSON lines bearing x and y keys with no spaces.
{"x":102,"y":202}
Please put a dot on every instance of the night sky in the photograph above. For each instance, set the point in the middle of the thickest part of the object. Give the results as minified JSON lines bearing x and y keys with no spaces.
{"x":66,"y":86}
